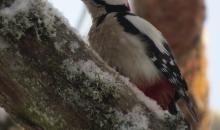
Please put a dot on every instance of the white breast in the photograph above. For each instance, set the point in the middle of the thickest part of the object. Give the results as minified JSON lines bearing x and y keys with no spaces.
{"x":123,"y":51}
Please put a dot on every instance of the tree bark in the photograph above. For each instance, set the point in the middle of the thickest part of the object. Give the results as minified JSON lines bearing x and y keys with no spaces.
{"x":181,"y":23}
{"x":51,"y":80}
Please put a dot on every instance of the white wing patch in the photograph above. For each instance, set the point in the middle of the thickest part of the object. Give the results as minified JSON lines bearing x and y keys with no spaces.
{"x":172,"y":62}
{"x":146,"y":28}
{"x":154,"y":58}
{"x":173,"y":80}
{"x":164,"y":61}
{"x":116,"y":2}
{"x":181,"y":92}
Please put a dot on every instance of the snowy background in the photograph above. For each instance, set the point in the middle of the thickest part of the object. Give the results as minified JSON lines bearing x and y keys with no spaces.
{"x":75,"y":9}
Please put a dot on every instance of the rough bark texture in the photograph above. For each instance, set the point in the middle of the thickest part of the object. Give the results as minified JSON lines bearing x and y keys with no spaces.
{"x":181,"y":23}
{"x":43,"y":87}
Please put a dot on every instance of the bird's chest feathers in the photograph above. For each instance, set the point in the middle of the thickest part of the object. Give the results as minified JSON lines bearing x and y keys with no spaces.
{"x":123,"y":51}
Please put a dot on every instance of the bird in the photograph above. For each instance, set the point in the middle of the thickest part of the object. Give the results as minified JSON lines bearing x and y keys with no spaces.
{"x":137,"y":50}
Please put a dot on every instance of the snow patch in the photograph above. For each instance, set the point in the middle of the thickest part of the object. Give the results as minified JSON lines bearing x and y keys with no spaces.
{"x":51,"y":12}
{"x":150,"y":103}
{"x":55,"y":12}
{"x":71,"y":67}
{"x":89,"y":68}
{"x":93,"y":71}
{"x":74,"y":46}
{"x":59,"y":46}
{"x":46,"y":9}
{"x":16,"y":7}
{"x":136,"y":120}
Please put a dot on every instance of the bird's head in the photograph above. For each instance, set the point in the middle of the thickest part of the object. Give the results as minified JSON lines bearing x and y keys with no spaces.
{"x":100,"y":7}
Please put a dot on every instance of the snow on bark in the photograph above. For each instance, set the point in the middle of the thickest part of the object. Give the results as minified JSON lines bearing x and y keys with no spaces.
{"x":59,"y":45}
{"x":89,"y":68}
{"x":16,"y":7}
{"x":74,"y":46}
{"x":48,"y":15}
{"x":136,"y":119}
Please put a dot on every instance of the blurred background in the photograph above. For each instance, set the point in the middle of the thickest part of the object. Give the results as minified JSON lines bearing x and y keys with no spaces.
{"x":205,"y":53}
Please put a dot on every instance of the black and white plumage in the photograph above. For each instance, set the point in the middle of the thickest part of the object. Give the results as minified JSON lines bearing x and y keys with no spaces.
{"x":137,"y":50}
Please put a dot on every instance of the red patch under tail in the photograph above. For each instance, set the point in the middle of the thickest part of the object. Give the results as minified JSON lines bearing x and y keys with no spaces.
{"x":163,"y":93}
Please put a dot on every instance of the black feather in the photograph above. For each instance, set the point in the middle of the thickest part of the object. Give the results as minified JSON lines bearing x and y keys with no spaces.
{"x":112,"y":8}
{"x":101,"y":19}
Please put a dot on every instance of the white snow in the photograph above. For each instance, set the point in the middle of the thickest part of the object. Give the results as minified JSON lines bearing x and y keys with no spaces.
{"x":46,"y":9}
{"x":150,"y":103}
{"x":48,"y":16}
{"x":137,"y":119}
{"x":89,"y":68}
{"x":71,"y":67}
{"x":59,"y":45}
{"x":16,"y":7}
{"x":74,"y":46}
{"x":94,"y":72}
{"x":51,"y":11}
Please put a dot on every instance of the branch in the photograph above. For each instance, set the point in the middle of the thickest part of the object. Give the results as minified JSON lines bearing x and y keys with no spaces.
{"x":51,"y":79}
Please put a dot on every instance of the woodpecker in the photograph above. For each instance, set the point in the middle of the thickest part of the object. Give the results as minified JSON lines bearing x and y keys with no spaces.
{"x":136,"y":49}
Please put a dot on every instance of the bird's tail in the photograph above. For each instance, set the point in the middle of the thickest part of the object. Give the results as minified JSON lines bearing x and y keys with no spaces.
{"x":188,"y":104}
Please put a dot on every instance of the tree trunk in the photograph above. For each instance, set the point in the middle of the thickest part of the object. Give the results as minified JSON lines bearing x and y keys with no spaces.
{"x":181,"y":23}
{"x":51,"y":80}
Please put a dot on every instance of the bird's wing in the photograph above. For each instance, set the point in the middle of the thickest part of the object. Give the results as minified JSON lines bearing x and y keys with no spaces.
{"x":159,"y":52}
